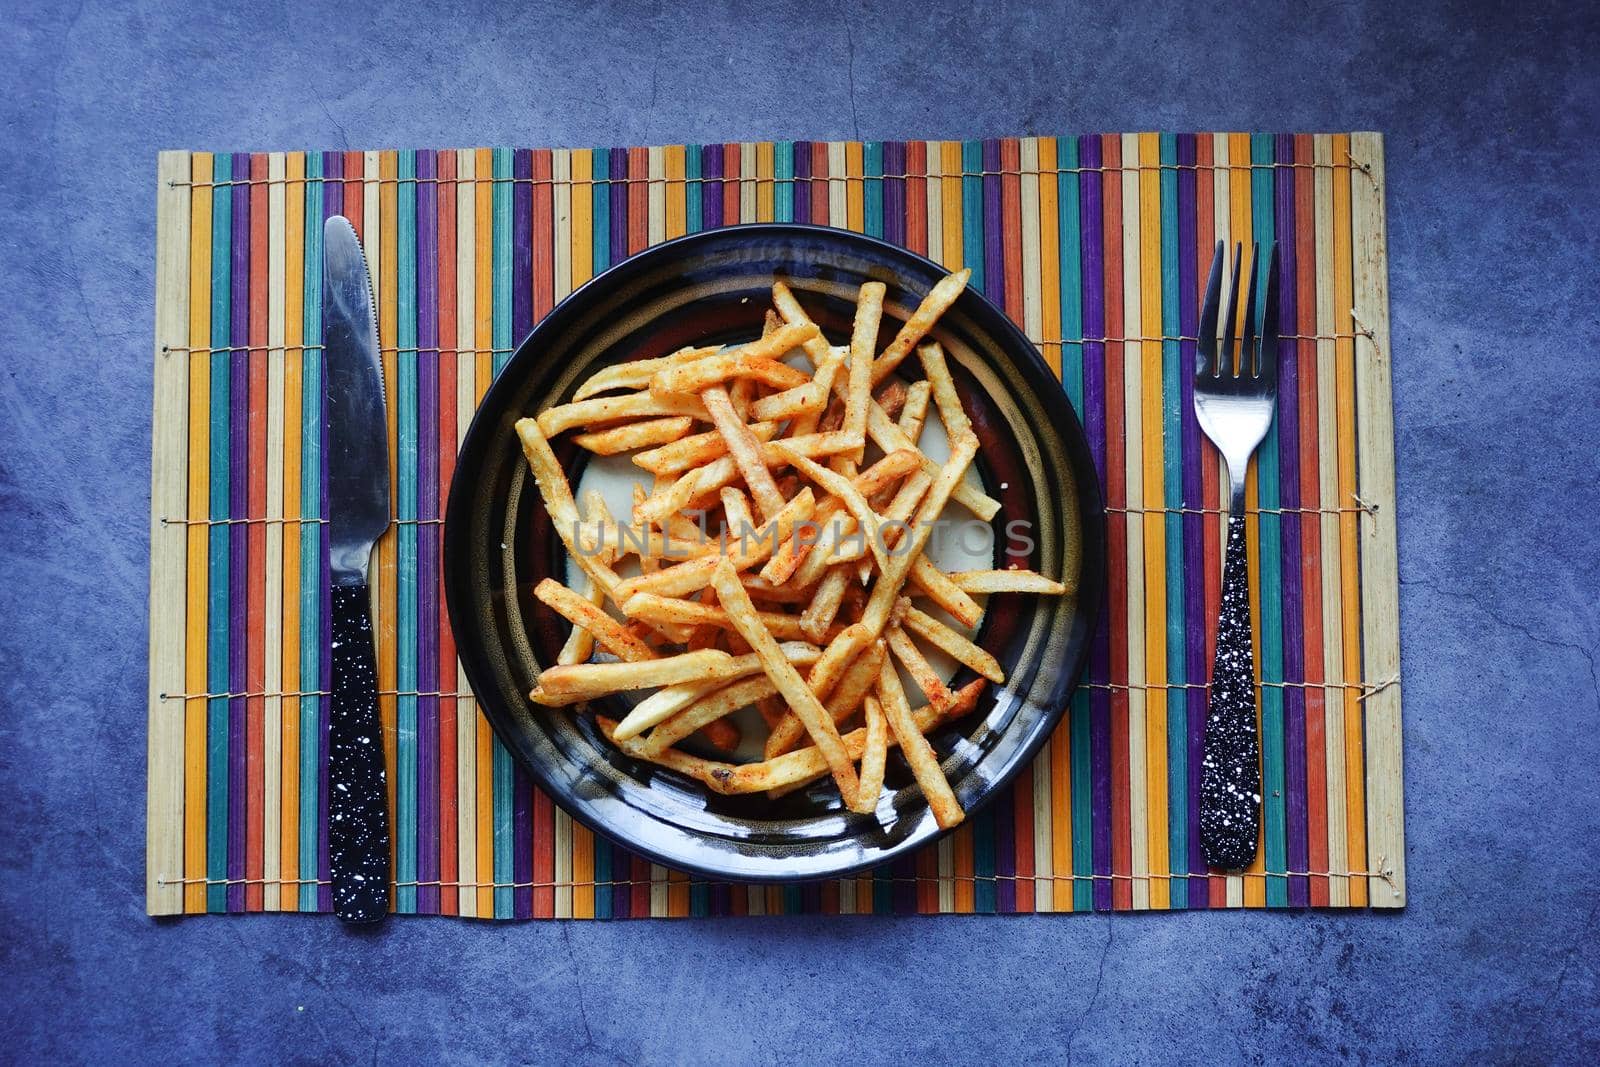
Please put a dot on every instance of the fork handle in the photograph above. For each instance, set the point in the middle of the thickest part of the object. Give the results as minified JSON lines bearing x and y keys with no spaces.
{"x":1230,"y":783}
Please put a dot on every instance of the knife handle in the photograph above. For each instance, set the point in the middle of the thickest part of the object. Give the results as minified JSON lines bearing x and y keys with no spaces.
{"x":1230,"y":783}
{"x":358,"y":815}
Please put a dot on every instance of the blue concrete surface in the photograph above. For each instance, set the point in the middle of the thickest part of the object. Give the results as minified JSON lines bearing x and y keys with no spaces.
{"x":1492,"y":121}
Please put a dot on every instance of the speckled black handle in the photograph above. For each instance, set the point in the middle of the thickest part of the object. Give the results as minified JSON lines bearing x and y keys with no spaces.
{"x":358,"y":815}
{"x":1230,"y":783}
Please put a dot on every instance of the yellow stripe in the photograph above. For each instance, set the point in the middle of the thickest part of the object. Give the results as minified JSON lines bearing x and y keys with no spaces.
{"x":677,"y":220}
{"x":657,"y":190}
{"x":950,"y":190}
{"x":1155,"y":528}
{"x":293,"y":399}
{"x":1332,"y":562}
{"x":1343,"y":298}
{"x":855,"y":190}
{"x":466,"y":399}
{"x":764,"y":197}
{"x":194,"y":711}
{"x":484,"y":341}
{"x":582,"y":217}
{"x":1133,"y":414}
{"x":272,"y":606}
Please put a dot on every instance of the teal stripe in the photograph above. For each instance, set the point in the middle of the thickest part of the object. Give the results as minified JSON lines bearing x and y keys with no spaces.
{"x":311,"y":536}
{"x":600,"y":199}
{"x":406,"y":508}
{"x":872,"y":166}
{"x":983,"y":826}
{"x":694,"y":222}
{"x":972,"y":211}
{"x":1271,"y":567}
{"x":602,"y":210}
{"x":1070,"y":228}
{"x":1172,"y":495}
{"x":783,"y":187}
{"x":217,"y":635}
{"x":501,"y":759}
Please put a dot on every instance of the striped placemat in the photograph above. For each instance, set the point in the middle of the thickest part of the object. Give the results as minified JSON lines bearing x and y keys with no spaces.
{"x":1098,"y":245}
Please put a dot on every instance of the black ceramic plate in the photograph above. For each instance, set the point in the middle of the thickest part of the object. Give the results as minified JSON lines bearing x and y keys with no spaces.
{"x":712,"y":288}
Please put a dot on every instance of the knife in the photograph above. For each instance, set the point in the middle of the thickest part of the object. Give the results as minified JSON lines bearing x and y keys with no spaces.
{"x":358,"y":514}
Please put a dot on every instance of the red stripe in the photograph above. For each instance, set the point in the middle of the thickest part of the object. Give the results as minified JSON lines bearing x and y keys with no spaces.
{"x":638,"y":206}
{"x":256,"y":541}
{"x":917,"y":198}
{"x":819,"y":206}
{"x":448,"y":871}
{"x":355,"y":166}
{"x":1117,"y":536}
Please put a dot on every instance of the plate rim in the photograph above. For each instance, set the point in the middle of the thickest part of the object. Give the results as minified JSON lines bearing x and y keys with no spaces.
{"x":475,"y":440}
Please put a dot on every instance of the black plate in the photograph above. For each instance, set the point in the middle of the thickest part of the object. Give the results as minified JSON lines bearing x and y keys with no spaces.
{"x":709,"y":288}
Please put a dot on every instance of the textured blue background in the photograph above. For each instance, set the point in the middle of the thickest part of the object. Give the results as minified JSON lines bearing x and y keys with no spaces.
{"x":1492,"y":120}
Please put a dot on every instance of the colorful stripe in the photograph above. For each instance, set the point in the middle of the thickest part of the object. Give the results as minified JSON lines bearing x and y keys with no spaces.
{"x":1098,"y":246}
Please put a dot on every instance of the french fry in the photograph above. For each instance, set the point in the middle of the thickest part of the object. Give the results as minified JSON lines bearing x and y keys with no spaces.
{"x":863,"y":343}
{"x":737,"y":521}
{"x":819,"y":614}
{"x":807,"y":399}
{"x":559,"y":505}
{"x":876,"y":478}
{"x":939,"y":588}
{"x":955,"y":645}
{"x":951,"y":413}
{"x":553,"y":421}
{"x":866,"y":519}
{"x":846,"y":697}
{"x":702,"y":374}
{"x":708,"y":710}
{"x":676,"y":611}
{"x":754,"y":360}
{"x":721,"y":735}
{"x":696,"y":450}
{"x":915,"y":411}
{"x":771,"y":709}
{"x":873,"y":756}
{"x":921,"y":671}
{"x":587,"y":681}
{"x":788,"y":681}
{"x":629,"y":436}
{"x":938,"y":300}
{"x":637,"y":373}
{"x":745,"y":450}
{"x":580,"y":642}
{"x":789,"y":308}
{"x":891,"y":397}
{"x":666,"y":702}
{"x":887,"y":436}
{"x":694,"y":575}
{"x":919,"y":754}
{"x":1006,"y":582}
{"x":577,"y":609}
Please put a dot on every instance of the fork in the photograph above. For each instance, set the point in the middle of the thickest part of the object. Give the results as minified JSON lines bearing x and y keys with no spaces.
{"x":1234,"y":403}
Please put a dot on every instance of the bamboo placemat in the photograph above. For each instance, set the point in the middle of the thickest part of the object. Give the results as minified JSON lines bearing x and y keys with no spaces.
{"x":1098,"y":245}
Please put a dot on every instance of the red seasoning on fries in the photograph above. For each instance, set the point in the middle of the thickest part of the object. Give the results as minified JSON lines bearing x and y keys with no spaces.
{"x":779,"y":560}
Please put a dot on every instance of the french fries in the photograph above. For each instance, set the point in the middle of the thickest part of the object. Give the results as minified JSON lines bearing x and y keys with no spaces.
{"x":777,"y":567}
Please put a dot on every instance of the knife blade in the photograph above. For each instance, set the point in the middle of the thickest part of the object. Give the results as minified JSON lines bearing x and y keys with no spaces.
{"x":358,"y":514}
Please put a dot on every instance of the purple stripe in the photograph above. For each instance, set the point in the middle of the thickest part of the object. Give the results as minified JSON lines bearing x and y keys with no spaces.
{"x":1294,"y":659}
{"x":1194,"y":588}
{"x":711,"y":188}
{"x":522,"y":843}
{"x":427,"y":535}
{"x":811,"y":892}
{"x":802,"y":207}
{"x":238,"y":508}
{"x":1001,"y":822}
{"x":1094,"y":407}
{"x":894,"y":208}
{"x":332,"y":204}
{"x":619,"y":205}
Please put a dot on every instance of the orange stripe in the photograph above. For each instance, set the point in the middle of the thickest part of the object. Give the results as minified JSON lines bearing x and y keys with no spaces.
{"x":483,"y":292}
{"x":194,"y":711}
{"x":1350,"y":575}
{"x":293,"y":391}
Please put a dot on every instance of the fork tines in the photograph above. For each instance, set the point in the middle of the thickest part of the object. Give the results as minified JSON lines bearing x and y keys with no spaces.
{"x":1256,"y":357}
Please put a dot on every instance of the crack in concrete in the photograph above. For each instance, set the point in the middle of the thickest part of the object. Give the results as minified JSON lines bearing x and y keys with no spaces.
{"x":850,"y":74}
{"x":1511,"y":624}
{"x":1094,"y":996}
